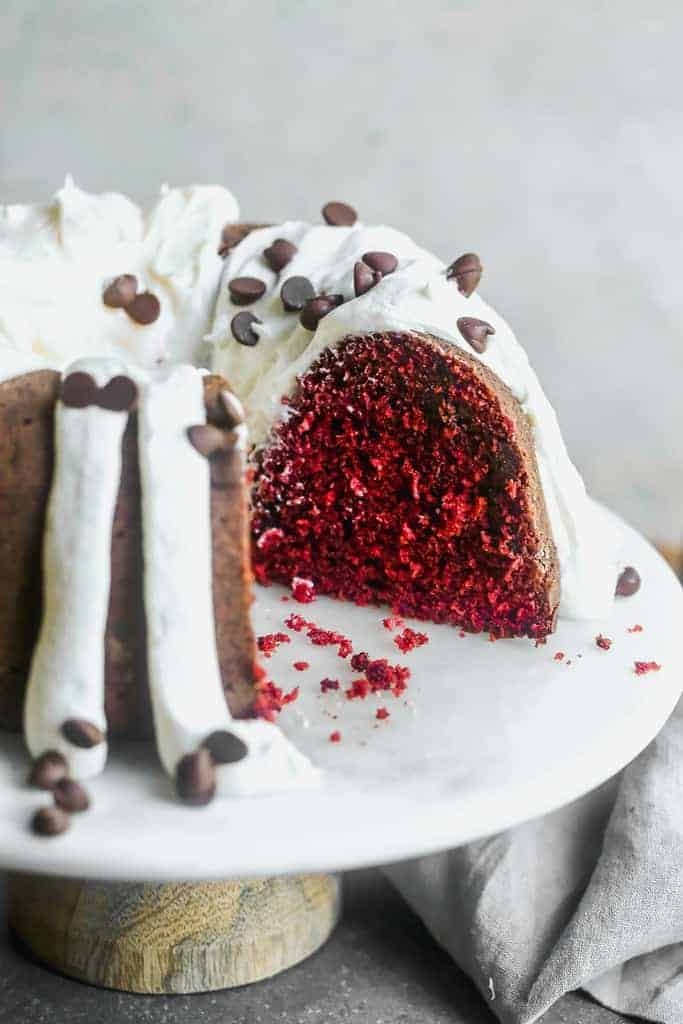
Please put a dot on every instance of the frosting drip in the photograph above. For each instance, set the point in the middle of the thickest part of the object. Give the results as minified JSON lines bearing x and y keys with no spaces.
{"x":416,"y":297}
{"x":67,"y":671}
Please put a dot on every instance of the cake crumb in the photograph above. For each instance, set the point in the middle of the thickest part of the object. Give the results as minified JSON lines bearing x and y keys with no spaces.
{"x":641,"y":668}
{"x":269,"y":642}
{"x":382,"y":714}
{"x":603,"y":642}
{"x":303,"y":590}
{"x":559,"y":656}
{"x":409,"y":639}
{"x":335,"y":737}
{"x":300,"y":666}
{"x":635,"y":629}
{"x":328,"y":684}
{"x":393,"y":622}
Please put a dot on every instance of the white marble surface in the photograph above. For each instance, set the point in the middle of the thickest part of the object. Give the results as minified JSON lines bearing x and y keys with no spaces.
{"x":545,"y":136}
{"x":487,"y":735}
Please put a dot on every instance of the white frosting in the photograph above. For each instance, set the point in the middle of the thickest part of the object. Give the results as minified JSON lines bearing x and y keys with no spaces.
{"x":417,"y":297}
{"x":185,"y":682}
{"x":67,"y":671}
{"x":56,"y":260}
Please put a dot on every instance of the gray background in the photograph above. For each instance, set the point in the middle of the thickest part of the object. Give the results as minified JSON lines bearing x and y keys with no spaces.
{"x":546,"y":136}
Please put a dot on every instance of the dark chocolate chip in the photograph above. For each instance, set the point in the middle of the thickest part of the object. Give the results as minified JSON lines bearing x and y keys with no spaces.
{"x":475,"y":332}
{"x":295,"y":293}
{"x":279,"y":254}
{"x":316,"y":309}
{"x":233,"y":234}
{"x":339,"y":214}
{"x":144,"y":309}
{"x":385,"y":262}
{"x":233,"y":409}
{"x":364,"y":278}
{"x":47,"y":770}
{"x":208,"y":440}
{"x":79,"y":390}
{"x":81,"y":733}
{"x":121,"y":291}
{"x":225,"y":747}
{"x":245,"y":290}
{"x":467,"y":271}
{"x":71,"y":796}
{"x":50,"y":821}
{"x":118,"y":395}
{"x":196,"y":778}
{"x":242,"y":330}
{"x":628,"y":582}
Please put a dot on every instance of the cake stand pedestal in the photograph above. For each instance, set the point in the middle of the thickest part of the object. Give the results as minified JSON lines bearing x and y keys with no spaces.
{"x":172,"y":937}
{"x":486,"y":736}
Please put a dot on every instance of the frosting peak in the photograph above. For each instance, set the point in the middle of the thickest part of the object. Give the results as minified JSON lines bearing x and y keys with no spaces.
{"x":56,"y":260}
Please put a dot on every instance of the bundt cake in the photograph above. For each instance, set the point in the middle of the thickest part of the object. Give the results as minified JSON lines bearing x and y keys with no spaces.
{"x":401,"y":452}
{"x":404,"y":451}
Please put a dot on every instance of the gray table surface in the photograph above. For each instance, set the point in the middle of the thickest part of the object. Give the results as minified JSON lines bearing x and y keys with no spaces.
{"x":380,"y":967}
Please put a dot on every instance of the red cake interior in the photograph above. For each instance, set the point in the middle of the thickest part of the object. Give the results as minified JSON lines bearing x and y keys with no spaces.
{"x":398,"y":479}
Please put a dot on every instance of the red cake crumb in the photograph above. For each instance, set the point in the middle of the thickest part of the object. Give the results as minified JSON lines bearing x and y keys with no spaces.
{"x":641,"y":668}
{"x":270,"y":699}
{"x":345,"y":648}
{"x":382,"y":713}
{"x":635,"y":629}
{"x":297,"y":622}
{"x":408,"y":640}
{"x":360,"y":661}
{"x":393,"y":622}
{"x":559,"y":656}
{"x":270,"y":642}
{"x":335,"y":737}
{"x":300,"y":666}
{"x":359,"y":689}
{"x":329,"y":684}
{"x":603,"y":642}
{"x":397,"y":479}
{"x":303,"y":590}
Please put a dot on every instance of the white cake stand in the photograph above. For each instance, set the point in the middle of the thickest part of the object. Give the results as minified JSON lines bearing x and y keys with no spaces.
{"x":486,"y":736}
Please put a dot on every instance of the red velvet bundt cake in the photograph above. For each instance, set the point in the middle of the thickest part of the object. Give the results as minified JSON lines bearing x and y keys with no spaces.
{"x":404,"y":453}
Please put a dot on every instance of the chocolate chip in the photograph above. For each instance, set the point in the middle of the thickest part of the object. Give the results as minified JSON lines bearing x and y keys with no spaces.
{"x":279,"y":254}
{"x":364,"y":278}
{"x":47,"y":770}
{"x":233,"y":234}
{"x":81,"y":733}
{"x":225,"y":747}
{"x":144,"y":309}
{"x":208,"y":440}
{"x":233,"y":409}
{"x":628,"y":582}
{"x":121,"y":291}
{"x":245,"y":290}
{"x":339,"y":215}
{"x":71,"y":796}
{"x":467,"y":271}
{"x":242,"y":330}
{"x":295,"y":293}
{"x":50,"y":821}
{"x":79,"y":390}
{"x":385,"y":262}
{"x":316,"y":309}
{"x":118,"y":395}
{"x":475,"y":332}
{"x":196,"y":778}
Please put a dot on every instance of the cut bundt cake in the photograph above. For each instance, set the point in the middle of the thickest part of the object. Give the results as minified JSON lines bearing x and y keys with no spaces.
{"x":404,"y":452}
{"x":27,"y":412}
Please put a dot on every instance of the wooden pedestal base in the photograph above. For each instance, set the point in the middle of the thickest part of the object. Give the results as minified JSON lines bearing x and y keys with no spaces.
{"x":173,"y":937}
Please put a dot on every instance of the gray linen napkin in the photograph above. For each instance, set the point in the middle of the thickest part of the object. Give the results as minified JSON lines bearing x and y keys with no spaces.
{"x":589,"y":897}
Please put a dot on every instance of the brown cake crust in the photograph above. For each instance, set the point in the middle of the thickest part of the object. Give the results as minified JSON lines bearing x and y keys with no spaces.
{"x":26,"y":465}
